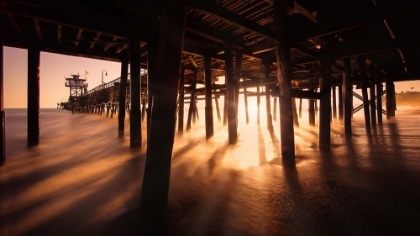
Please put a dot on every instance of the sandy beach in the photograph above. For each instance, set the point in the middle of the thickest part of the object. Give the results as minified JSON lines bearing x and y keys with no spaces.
{"x":84,"y":180}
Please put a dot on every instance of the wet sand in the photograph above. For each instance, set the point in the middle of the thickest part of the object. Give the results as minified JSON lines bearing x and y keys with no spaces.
{"x":84,"y":180}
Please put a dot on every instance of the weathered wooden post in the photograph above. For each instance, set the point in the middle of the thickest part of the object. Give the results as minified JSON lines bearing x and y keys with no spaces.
{"x":325,"y":104}
{"x":135,"y":95}
{"x":33,"y":95}
{"x":284,"y":81}
{"x":192,"y":100}
{"x":295,"y":115}
{"x":300,"y":107}
{"x":181,"y":99}
{"x":311,"y":111}
{"x":225,"y":108}
{"x":275,"y":109}
{"x":216,"y":101}
{"x":2,"y":113}
{"x":258,"y":104}
{"x":372,"y":104}
{"x":155,"y":187}
{"x":209,"y":96}
{"x":348,"y":95}
{"x":246,"y":105}
{"x":267,"y":72}
{"x":361,"y":61}
{"x":152,"y":69}
{"x":340,"y":102}
{"x":379,"y":91}
{"x":389,"y":98}
{"x":121,"y":98}
{"x":230,"y":88}
{"x":238,"y":64}
{"x":334,"y":101}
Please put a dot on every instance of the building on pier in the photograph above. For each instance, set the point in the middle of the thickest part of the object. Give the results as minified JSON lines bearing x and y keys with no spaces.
{"x":78,"y":87}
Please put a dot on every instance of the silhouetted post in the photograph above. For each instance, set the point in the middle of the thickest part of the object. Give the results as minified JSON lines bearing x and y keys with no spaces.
{"x":325,"y":104}
{"x":2,"y":113}
{"x":284,"y":81}
{"x":340,"y":102}
{"x":246,"y":105}
{"x":373,"y":105}
{"x":230,"y":88}
{"x":258,"y":104}
{"x":379,"y":98}
{"x":143,"y":109}
{"x":311,"y":111}
{"x":267,"y":72}
{"x":181,"y":99}
{"x":155,"y":187}
{"x":216,"y":101}
{"x":348,"y":94}
{"x":275,"y":109}
{"x":295,"y":115}
{"x":361,"y":61}
{"x":33,"y":95}
{"x":192,"y":100}
{"x":209,"y":96}
{"x":195,"y":110}
{"x":389,"y":98}
{"x":300,"y":107}
{"x":238,"y":64}
{"x":334,"y":102}
{"x":225,"y":109}
{"x":135,"y":95}
{"x":152,"y":69}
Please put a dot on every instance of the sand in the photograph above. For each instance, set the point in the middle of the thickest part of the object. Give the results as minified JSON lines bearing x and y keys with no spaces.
{"x":84,"y":180}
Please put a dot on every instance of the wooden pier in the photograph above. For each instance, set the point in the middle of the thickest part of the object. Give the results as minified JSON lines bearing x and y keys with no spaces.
{"x":286,"y":50}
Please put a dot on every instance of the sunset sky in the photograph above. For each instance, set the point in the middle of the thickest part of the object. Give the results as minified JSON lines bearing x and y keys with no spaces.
{"x":55,"y":68}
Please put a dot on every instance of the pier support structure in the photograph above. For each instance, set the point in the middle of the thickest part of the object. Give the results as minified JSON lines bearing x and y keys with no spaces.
{"x":340,"y":102}
{"x":2,"y":114}
{"x":230,"y":87}
{"x":373,"y":103}
{"x":325,"y":104}
{"x":379,"y":90}
{"x":135,"y":95}
{"x":390,"y":98}
{"x":285,"y":85}
{"x":267,"y":72}
{"x":155,"y":187}
{"x":191,"y":109}
{"x":33,"y":95}
{"x":181,"y":99}
{"x":122,"y":96}
{"x":209,"y":97}
{"x":348,"y":96}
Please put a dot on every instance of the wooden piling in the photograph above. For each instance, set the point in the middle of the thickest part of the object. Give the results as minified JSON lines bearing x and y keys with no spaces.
{"x":2,"y":113}
{"x":238,"y":64}
{"x":311,"y":111}
{"x":225,"y":109}
{"x":191,"y":109}
{"x":230,"y":87}
{"x":372,"y":105}
{"x":135,"y":95}
{"x":361,"y":63}
{"x":325,"y":104}
{"x":122,"y":97}
{"x":348,"y":95}
{"x":143,"y":109}
{"x":300,"y":107}
{"x":246,"y":105}
{"x":379,"y":91}
{"x":295,"y":115}
{"x":152,"y":69}
{"x":267,"y":72}
{"x":275,"y":109}
{"x":340,"y":102}
{"x":390,"y":94}
{"x":216,"y":101}
{"x":155,"y":187}
{"x":284,"y":82}
{"x":209,"y":96}
{"x":33,"y":95}
{"x":181,"y":91}
{"x":258,"y":104}
{"x":334,"y":102}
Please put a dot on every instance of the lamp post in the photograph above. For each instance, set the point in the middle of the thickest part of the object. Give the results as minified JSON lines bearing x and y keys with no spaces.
{"x":106,"y":74}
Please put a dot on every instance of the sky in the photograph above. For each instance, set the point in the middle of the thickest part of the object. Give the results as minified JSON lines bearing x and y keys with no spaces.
{"x":56,"y":67}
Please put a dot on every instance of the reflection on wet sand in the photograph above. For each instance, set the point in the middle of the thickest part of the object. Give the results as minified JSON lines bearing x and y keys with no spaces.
{"x":87,"y":181}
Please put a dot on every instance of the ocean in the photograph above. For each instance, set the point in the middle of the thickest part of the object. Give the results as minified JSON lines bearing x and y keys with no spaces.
{"x":83,"y":179}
